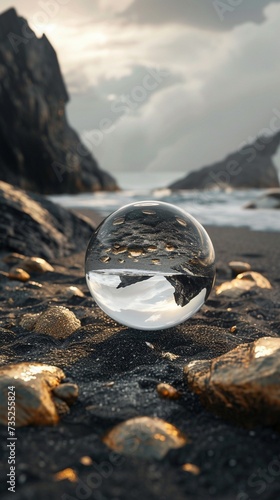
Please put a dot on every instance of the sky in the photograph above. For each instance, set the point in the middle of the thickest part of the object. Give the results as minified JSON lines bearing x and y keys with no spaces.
{"x":160,"y":85}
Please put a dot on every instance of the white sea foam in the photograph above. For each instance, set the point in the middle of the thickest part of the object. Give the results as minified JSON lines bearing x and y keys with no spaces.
{"x":212,"y":208}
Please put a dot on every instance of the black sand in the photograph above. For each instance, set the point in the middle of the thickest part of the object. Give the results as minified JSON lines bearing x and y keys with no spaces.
{"x":235,"y":462}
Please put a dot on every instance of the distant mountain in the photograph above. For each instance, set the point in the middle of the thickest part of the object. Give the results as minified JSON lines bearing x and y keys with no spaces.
{"x":39,"y":151}
{"x":250,"y":167}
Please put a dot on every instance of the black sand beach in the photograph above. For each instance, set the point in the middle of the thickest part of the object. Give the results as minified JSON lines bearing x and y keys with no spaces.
{"x":176,"y":86}
{"x":117,"y":373}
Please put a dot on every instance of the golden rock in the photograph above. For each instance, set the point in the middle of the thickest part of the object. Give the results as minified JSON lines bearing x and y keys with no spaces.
{"x":243,"y":384}
{"x":256,"y":278}
{"x":36,"y":265}
{"x":242,"y":284}
{"x":57,"y":321}
{"x":144,"y":437}
{"x":31,"y":386}
{"x":18,"y":274}
{"x":167,"y":391}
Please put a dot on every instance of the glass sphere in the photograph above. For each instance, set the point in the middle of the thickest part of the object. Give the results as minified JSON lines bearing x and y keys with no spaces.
{"x":150,"y":265}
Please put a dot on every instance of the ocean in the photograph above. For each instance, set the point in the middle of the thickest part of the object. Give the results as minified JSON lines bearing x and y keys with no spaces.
{"x":210,"y":208}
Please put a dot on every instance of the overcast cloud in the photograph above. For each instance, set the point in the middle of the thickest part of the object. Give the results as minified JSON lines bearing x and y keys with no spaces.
{"x":157,"y":85}
{"x":206,"y":14}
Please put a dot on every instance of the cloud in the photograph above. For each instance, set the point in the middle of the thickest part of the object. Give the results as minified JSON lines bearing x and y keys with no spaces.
{"x":112,"y":98}
{"x":228,"y":95}
{"x":210,"y":15}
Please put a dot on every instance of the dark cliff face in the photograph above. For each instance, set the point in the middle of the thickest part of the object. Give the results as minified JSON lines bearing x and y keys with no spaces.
{"x":39,"y":151}
{"x":250,"y":167}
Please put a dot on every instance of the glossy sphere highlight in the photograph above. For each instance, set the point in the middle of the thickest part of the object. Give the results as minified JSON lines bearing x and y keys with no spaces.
{"x":150,"y":265}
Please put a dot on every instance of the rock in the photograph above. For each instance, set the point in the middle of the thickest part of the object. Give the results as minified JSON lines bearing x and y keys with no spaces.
{"x":234,"y":288}
{"x":167,"y":391}
{"x":61,"y":406}
{"x":238,"y":267}
{"x":36,"y":265}
{"x":33,"y":284}
{"x":242,"y":284}
{"x":33,"y":388}
{"x":257,"y":278}
{"x":271,"y":199}
{"x":243,"y":384}
{"x":86,"y":460}
{"x":66,"y":475}
{"x":250,"y":167}
{"x":39,"y":150}
{"x":28,"y":321}
{"x":144,"y":437}
{"x":74,"y":291}
{"x":13,"y":258}
{"x":57,"y":321}
{"x":191,"y":468}
{"x":67,"y":392}
{"x":19,"y":274}
{"x":35,"y":226}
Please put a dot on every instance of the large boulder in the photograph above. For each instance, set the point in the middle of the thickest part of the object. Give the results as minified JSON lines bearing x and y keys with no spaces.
{"x":39,"y":151}
{"x":32,"y":225}
{"x":243,"y":384}
{"x":250,"y":167}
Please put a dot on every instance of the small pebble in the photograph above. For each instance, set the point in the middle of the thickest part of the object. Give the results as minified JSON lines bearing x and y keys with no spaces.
{"x":69,"y":474}
{"x":67,"y":392}
{"x":144,"y":437}
{"x":191,"y":468}
{"x":57,"y":321}
{"x":36,"y":265}
{"x":256,"y":278}
{"x":86,"y":460}
{"x":109,"y":384}
{"x":18,"y":274}
{"x":13,"y":258}
{"x":34,"y":284}
{"x":170,"y":356}
{"x":238,"y":267}
{"x":234,"y":288}
{"x":168,"y":391}
{"x":73,"y":291}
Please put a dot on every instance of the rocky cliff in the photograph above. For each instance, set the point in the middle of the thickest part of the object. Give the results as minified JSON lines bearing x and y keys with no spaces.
{"x":39,"y":151}
{"x":250,"y":167}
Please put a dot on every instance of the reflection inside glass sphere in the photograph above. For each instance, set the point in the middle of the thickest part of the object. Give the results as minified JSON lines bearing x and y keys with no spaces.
{"x":150,"y":265}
